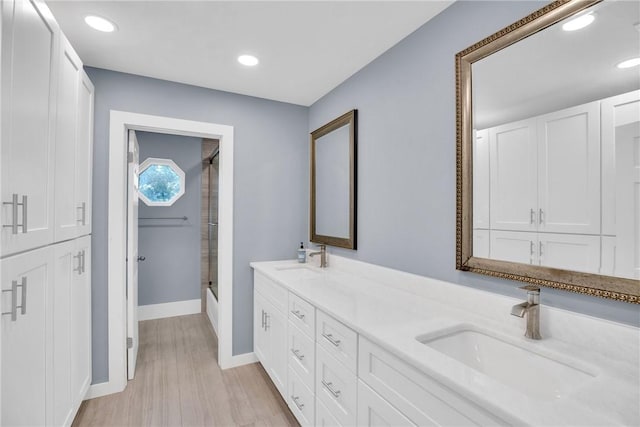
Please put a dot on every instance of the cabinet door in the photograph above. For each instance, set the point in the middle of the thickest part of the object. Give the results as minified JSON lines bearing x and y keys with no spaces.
{"x":276,"y":325}
{"x":514,"y":246}
{"x":513,"y":174}
{"x":373,"y":410}
{"x":81,"y":323}
{"x":569,"y":251}
{"x":66,"y":143}
{"x":66,"y":263}
{"x":29,"y":80}
{"x":260,"y":337}
{"x":481,"y":243}
{"x":481,"y":179}
{"x":24,"y":340}
{"x":569,"y":170}
{"x":84,"y":155}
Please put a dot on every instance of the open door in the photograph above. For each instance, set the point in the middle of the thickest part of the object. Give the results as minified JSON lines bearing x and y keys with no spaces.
{"x":132,"y":255}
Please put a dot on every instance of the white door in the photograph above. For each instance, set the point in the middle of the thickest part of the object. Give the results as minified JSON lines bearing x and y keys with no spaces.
{"x":29,"y":84}
{"x":132,"y":255}
{"x":481,"y":180}
{"x":514,"y":246}
{"x":84,"y":155}
{"x":481,"y":243}
{"x":26,"y":374}
{"x":569,"y":170}
{"x":260,"y":338}
{"x":576,"y":252}
{"x":81,"y":322}
{"x":513,"y":171}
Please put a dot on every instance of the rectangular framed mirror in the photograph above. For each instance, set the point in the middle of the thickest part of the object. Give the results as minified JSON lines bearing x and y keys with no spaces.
{"x":333,"y":182}
{"x":548,"y":150}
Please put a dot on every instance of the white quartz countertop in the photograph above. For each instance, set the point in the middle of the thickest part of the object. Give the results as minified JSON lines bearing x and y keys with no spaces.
{"x":380,"y":305}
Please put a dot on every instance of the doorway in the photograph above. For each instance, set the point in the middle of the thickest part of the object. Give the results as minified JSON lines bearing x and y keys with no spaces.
{"x":120,"y":123}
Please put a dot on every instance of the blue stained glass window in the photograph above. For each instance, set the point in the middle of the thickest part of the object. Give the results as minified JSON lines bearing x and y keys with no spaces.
{"x":160,"y":182}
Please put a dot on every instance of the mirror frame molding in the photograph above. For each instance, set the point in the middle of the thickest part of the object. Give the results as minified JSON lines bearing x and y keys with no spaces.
{"x":350,"y":118}
{"x":621,"y":289}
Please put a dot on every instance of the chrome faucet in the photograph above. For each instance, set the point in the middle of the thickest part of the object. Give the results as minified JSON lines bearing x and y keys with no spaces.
{"x":530,"y":308}
{"x":323,"y":255}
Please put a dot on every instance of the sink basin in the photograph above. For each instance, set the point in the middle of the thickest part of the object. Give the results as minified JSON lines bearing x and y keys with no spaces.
{"x":298,"y":271}
{"x":537,"y":375}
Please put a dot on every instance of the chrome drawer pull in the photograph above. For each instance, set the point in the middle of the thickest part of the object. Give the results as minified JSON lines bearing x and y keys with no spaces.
{"x":14,"y":300}
{"x":295,"y":400}
{"x":297,"y":313}
{"x":332,"y":340}
{"x":328,"y":386}
{"x":297,"y":354}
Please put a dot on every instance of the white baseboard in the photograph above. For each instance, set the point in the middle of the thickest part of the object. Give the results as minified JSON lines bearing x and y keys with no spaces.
{"x":101,"y":389}
{"x":212,"y":310}
{"x":242,"y":359}
{"x":169,"y":309}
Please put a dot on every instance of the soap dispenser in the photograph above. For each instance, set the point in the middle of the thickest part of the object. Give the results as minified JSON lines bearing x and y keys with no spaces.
{"x":302,"y":254}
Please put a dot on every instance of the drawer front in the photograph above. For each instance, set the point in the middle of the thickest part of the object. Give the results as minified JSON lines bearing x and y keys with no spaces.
{"x":337,"y":339}
{"x":373,"y":410}
{"x":275,"y":293}
{"x":421,"y":399}
{"x":324,"y":418}
{"x":302,"y":314}
{"x":301,"y":400}
{"x":301,"y":355}
{"x":336,"y":387}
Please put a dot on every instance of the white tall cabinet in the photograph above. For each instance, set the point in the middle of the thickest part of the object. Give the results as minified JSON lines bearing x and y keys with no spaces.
{"x":46,"y":156}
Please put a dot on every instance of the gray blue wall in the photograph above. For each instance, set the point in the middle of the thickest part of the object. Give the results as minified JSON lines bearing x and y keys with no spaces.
{"x":270,"y":183}
{"x":407,"y":147}
{"x":171,"y":269}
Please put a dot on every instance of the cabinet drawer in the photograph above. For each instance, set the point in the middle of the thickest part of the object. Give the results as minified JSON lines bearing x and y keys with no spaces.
{"x":302,"y":314}
{"x":421,"y":399}
{"x":301,"y":400}
{"x":273,"y":292}
{"x":373,"y":410}
{"x":336,"y":387}
{"x":324,"y":417}
{"x":301,"y":355}
{"x":338,"y":340}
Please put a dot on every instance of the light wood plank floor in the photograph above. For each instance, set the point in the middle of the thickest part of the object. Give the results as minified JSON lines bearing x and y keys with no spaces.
{"x":178,"y":383}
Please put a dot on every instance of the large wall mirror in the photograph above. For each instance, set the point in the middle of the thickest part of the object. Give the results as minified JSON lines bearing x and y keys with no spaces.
{"x":548,"y":150}
{"x":333,"y":182}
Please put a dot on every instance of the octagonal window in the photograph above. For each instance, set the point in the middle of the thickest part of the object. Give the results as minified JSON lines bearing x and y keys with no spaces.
{"x":161,"y":182}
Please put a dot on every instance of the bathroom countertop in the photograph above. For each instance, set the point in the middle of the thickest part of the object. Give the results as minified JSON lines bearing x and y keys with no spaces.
{"x":392,"y":308}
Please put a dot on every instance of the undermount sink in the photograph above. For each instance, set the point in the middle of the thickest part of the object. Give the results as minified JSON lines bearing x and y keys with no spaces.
{"x":534,"y":374}
{"x":299,"y":270}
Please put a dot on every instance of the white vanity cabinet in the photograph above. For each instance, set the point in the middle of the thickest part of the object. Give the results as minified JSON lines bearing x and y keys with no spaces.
{"x":270,"y":330}
{"x":72,"y":147}
{"x":30,"y":58}
{"x":545,"y":172}
{"x":27,"y":285}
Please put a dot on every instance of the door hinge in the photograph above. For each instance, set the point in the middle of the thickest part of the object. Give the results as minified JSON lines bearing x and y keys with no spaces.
{"x":129,"y":157}
{"x":129,"y":342}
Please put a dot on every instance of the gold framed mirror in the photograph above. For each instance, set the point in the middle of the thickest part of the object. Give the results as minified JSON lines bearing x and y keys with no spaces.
{"x":548,"y":150}
{"x":333,"y":182}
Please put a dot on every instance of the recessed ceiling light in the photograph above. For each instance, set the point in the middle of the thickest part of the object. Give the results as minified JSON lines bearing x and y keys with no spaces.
{"x":248,"y":60}
{"x":100,"y":24}
{"x":579,"y":22}
{"x":633,"y":62}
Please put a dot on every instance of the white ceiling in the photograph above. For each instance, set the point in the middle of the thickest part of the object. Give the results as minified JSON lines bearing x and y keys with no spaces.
{"x":306,"y":48}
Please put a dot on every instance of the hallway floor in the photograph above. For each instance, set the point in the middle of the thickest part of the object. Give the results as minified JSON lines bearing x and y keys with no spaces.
{"x":179,"y":383}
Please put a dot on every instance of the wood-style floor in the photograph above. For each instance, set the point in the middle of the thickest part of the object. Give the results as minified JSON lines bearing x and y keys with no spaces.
{"x":179,"y":383}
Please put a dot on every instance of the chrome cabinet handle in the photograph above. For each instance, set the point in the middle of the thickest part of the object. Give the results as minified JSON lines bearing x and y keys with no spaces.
{"x":532,"y":216}
{"x":14,"y":300}
{"x":84,"y":260}
{"x":297,"y":354}
{"x":79,"y":257}
{"x":295,"y":400}
{"x":262,"y":319}
{"x":83,"y":218}
{"x":540,"y":216}
{"x":266,"y":321}
{"x":297,"y":313}
{"x":23,"y":304}
{"x":14,"y":214}
{"x":332,"y":340}
{"x":540,"y":251}
{"x":531,"y":251}
{"x":329,"y":387}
